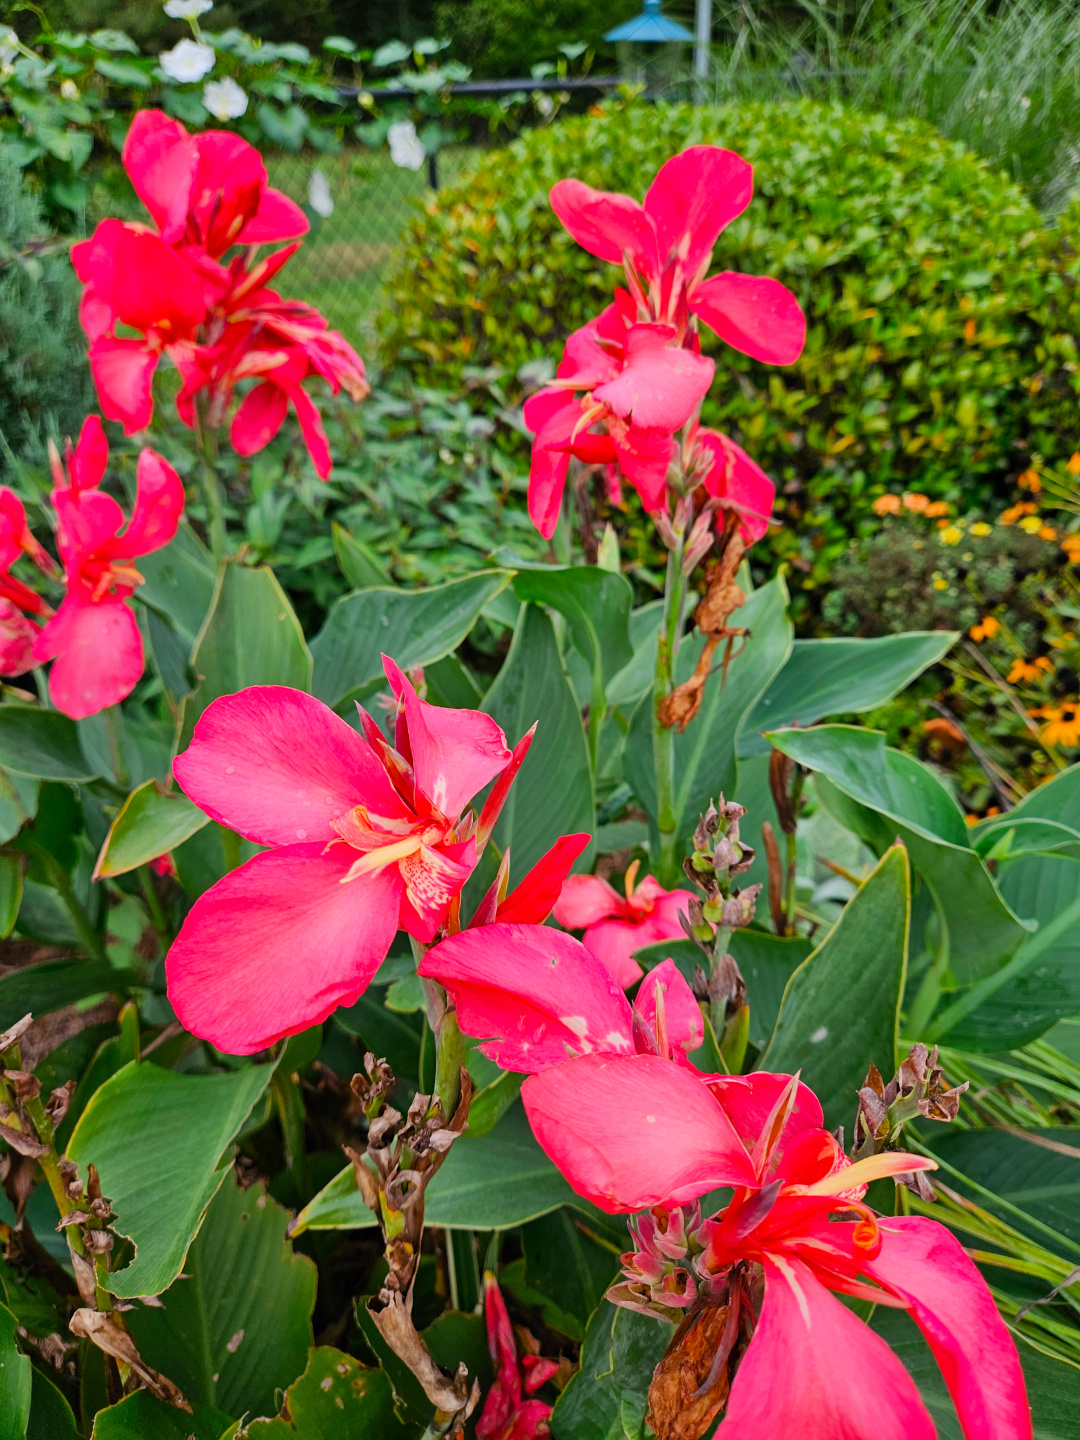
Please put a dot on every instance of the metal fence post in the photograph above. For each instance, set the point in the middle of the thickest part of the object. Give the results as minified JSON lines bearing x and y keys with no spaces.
{"x":433,"y":169}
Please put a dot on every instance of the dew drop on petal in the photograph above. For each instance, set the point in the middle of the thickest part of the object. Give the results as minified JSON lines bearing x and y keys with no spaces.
{"x":301,"y":834}
{"x":651,"y":1119}
{"x":230,"y":769}
{"x":521,"y":1022}
{"x":539,"y":1033}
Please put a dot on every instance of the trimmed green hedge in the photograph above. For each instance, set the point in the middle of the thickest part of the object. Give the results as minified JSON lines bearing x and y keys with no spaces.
{"x":943,"y":315}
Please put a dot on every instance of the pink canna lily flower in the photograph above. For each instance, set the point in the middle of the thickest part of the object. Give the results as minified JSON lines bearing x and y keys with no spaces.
{"x":507,"y":1413}
{"x":774,"y":1254}
{"x":640,"y":386}
{"x":17,"y":599}
{"x":365,"y":838}
{"x":735,"y":481}
{"x":533,"y":900}
{"x":93,"y":639}
{"x":616,"y":925}
{"x":666,"y":246}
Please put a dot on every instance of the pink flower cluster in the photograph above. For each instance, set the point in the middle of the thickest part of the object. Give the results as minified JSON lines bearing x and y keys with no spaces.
{"x":219,"y":323}
{"x":93,"y":639}
{"x":634,"y":376}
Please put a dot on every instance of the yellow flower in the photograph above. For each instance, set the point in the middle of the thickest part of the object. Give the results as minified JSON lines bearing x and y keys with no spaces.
{"x":912,"y":500}
{"x":1031,"y":523}
{"x":986,"y":629}
{"x":1030,"y":669}
{"x":940,"y":584}
{"x":887,"y":505}
{"x":1072,"y":465}
{"x":936,"y":508}
{"x":952,"y":535}
{"x":1062,"y":725}
{"x":981,"y":528}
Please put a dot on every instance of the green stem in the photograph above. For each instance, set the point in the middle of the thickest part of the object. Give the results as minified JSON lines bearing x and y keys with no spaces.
{"x":206,"y":443}
{"x":153,"y":906}
{"x":667,"y":648}
{"x":597,"y":711}
{"x":114,"y":718}
{"x":61,"y":882}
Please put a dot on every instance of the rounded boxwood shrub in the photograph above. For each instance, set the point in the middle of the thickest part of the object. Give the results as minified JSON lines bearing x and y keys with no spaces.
{"x":943,"y":313}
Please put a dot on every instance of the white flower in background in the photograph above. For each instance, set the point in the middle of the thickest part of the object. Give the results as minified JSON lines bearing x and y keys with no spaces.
{"x":187,"y":61}
{"x":9,"y":45}
{"x":544,"y":104}
{"x":225,"y":99}
{"x":406,"y":151}
{"x":69,"y":90}
{"x":187,"y":9}
{"x":318,"y":194}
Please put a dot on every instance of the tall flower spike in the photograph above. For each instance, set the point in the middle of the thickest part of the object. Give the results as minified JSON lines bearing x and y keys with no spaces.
{"x":364,"y":840}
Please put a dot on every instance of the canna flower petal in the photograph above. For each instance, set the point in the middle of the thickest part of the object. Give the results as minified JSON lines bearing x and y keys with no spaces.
{"x":433,"y":878}
{"x":926,"y":1266}
{"x":644,"y":457}
{"x":98,"y":650}
{"x":634,"y":1131}
{"x":606,"y":224}
{"x":159,"y":156}
{"x":815,"y":1371}
{"x":533,"y":994}
{"x":279,"y":766}
{"x":159,"y":504}
{"x":683,"y":1024}
{"x":585,"y":900}
{"x":278,"y":944}
{"x":312,"y":429}
{"x":734,"y":476}
{"x":17,"y":637}
{"x":454,"y":752}
{"x":754,"y":314}
{"x":532,"y":901}
{"x":659,"y":384}
{"x":90,"y":457}
{"x":748,"y":1100}
{"x":277,"y":218}
{"x":695,"y":195}
{"x":551,"y":416}
{"x":123,"y":372}
{"x":258,"y":419}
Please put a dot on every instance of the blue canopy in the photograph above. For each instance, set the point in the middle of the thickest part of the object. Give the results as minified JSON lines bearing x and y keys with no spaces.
{"x":650,"y":27}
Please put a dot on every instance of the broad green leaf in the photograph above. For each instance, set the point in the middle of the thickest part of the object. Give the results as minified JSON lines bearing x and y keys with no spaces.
{"x":565,"y":1263}
{"x":596,"y":605}
{"x":767,"y":963}
{"x":52,"y":984}
{"x":160,"y":1141}
{"x":18,"y":803}
{"x":41,"y":743}
{"x":238,"y":1326}
{"x":151,"y":822}
{"x":1037,"y":1171}
{"x":631,"y":682}
{"x":179,"y":583}
{"x":140,"y":1417}
{"x":250,"y":637}
{"x":388,"y":1033}
{"x":359,"y":564}
{"x":495,"y":1182}
{"x":882,"y":794}
{"x":1033,"y":999}
{"x":450,"y":683}
{"x":552,"y":794}
{"x":841,"y":1007}
{"x":336,"y":1398}
{"x":1053,"y":1387}
{"x":15,"y":1380}
{"x":1004,"y":842}
{"x":620,"y":1352}
{"x":491,"y":1103}
{"x":51,"y":1416}
{"x":11,"y":892}
{"x":706,"y":753}
{"x":415,"y":627}
{"x":841,"y":677}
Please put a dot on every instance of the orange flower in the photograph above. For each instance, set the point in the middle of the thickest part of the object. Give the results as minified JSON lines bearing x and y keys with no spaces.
{"x":1072,"y":465}
{"x":1029,"y":480}
{"x":1014,"y":512}
{"x":1046,"y":532}
{"x":1030,"y":669}
{"x":969,"y":330}
{"x":1071,"y":545}
{"x":986,"y":629}
{"x":1062,"y":725}
{"x":887,"y":505}
{"x":945,"y":733}
{"x":935,"y":508}
{"x":912,"y":500}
